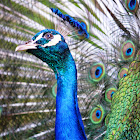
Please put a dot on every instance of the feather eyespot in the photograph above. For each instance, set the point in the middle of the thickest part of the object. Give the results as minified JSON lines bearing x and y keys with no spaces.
{"x":97,"y":114}
{"x":123,"y":73}
{"x":132,"y":5}
{"x":107,"y":119}
{"x":48,"y":36}
{"x":128,"y":50}
{"x":109,"y":94}
{"x":97,"y":72}
{"x":54,"y":90}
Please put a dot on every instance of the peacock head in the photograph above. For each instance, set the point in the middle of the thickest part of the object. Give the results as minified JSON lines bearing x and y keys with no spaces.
{"x":49,"y":46}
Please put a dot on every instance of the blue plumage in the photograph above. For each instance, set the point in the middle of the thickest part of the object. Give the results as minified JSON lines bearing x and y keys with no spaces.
{"x":50,"y":47}
{"x":74,"y":23}
{"x":68,"y":119}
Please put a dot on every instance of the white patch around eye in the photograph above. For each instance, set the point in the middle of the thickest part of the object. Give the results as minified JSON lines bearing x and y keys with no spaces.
{"x":54,"y":41}
{"x":40,"y":36}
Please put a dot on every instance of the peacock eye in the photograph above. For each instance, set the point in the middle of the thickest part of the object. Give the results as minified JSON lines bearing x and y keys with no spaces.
{"x":122,"y":73}
{"x":109,"y":94}
{"x":48,"y":36}
{"x":97,"y":115}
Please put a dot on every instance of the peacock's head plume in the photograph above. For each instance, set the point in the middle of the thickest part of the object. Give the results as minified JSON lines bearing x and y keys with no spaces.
{"x":49,"y":46}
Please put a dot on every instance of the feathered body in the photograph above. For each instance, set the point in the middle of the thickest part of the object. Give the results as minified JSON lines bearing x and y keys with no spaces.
{"x":68,"y":119}
{"x":50,"y":47}
{"x":103,"y":37}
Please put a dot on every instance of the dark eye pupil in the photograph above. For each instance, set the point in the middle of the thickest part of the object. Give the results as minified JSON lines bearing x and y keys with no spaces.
{"x":132,"y":3}
{"x":124,"y":75}
{"x":112,"y":93}
{"x":129,"y":50}
{"x":48,"y":36}
{"x":97,"y":72}
{"x":97,"y":114}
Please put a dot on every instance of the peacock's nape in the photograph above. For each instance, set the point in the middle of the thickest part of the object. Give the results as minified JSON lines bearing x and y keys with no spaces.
{"x":103,"y":38}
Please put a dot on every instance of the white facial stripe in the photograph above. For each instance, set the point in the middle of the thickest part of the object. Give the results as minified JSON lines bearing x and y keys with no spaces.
{"x":54,"y":41}
{"x":40,"y":36}
{"x":32,"y":44}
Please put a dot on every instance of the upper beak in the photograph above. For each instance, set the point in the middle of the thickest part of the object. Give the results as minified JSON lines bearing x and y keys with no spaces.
{"x":27,"y":46}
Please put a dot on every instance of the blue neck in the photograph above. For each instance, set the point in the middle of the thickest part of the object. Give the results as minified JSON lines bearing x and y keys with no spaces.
{"x":68,"y":125}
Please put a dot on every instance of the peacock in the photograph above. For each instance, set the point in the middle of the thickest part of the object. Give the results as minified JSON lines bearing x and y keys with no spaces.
{"x":89,"y":88}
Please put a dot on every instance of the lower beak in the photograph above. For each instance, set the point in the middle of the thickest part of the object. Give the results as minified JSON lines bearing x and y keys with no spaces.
{"x":26,"y":47}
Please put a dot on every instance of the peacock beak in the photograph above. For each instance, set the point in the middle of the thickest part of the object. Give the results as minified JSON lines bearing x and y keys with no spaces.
{"x":26,"y":46}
